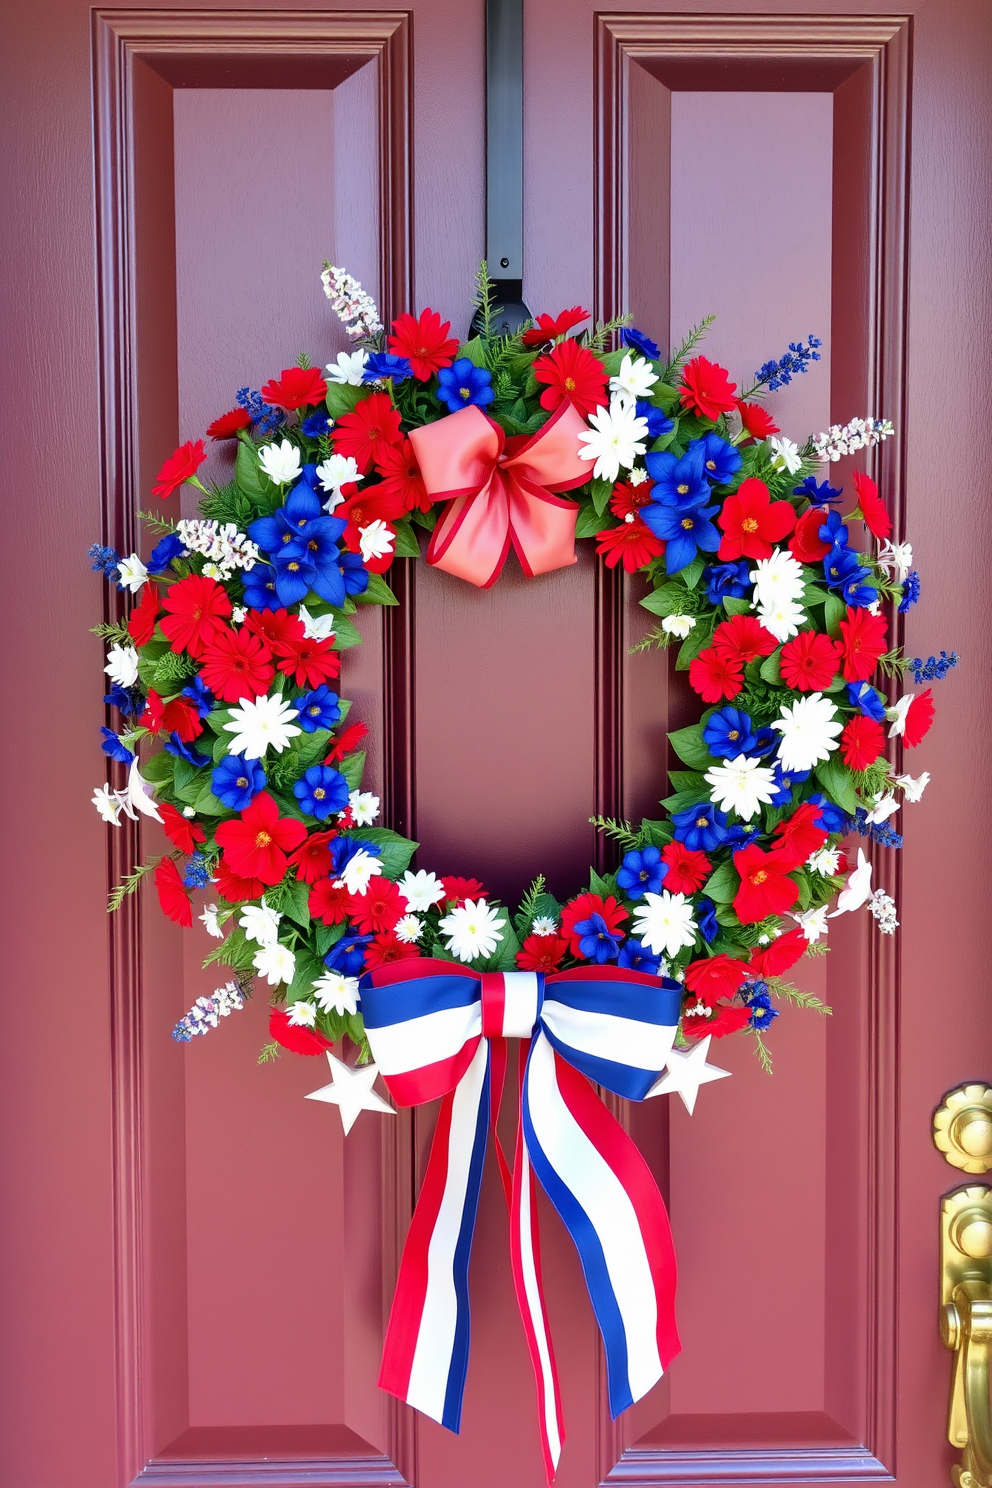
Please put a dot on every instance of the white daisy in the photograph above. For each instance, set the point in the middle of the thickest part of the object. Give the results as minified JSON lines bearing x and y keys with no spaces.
{"x":637,"y":477}
{"x":301,"y":1014}
{"x":348,"y":369}
{"x":813,"y":923}
{"x":210,"y":920}
{"x":912,"y":789}
{"x":742,"y":785}
{"x":678,"y":625}
{"x":420,"y":889}
{"x":281,"y":462}
{"x":782,"y":619}
{"x":409,"y":928}
{"x":258,"y":724}
{"x":108,"y":803}
{"x":276,"y":963}
{"x":336,"y":993}
{"x":777,"y":579}
{"x":260,"y":923}
{"x":472,"y":929}
{"x":809,"y":729}
{"x":634,"y":380}
{"x":122,"y":665}
{"x":825,"y":860}
{"x":615,"y":440}
{"x":375,"y":540}
{"x":359,"y":871}
{"x":785,"y":455}
{"x":544,"y":925}
{"x":132,"y":573}
{"x":364,"y":807}
{"x":666,"y":922}
{"x":317,"y":627}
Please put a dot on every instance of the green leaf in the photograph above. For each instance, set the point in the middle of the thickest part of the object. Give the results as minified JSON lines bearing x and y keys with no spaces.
{"x":346,"y":632}
{"x":770,"y":668}
{"x":327,"y":935}
{"x":668,"y":600}
{"x":247,"y":472}
{"x":294,"y":902}
{"x":838,"y":783}
{"x":834,"y":611}
{"x":475,"y":350}
{"x":407,"y":545}
{"x":682,"y":800}
{"x":656,"y":833}
{"x":342,"y":397}
{"x":722,"y":884}
{"x":690,"y":780}
{"x":601,"y":491}
{"x":352,"y":767}
{"x":395,"y":851}
{"x":689,"y":746}
{"x":693,"y":572}
{"x":697,"y":640}
{"x":308,"y":969}
{"x":378,"y":592}
{"x":158,"y":769}
{"x":735,"y":606}
{"x":590,"y":522}
{"x":601,"y":885}
{"x":206,"y":803}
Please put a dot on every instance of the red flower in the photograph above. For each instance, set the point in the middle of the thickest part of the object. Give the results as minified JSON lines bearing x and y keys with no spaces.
{"x":457,"y":890}
{"x":687,"y":870}
{"x":805,"y":544}
{"x":181,"y":832}
{"x":348,"y":739}
{"x":863,"y":637}
{"x":181,"y":466}
{"x":197,"y":610}
{"x":715,"y":675}
{"x":919,"y":717}
{"x":862,"y":741}
{"x":542,"y":953}
{"x":227,"y":426}
{"x":719,"y":1023}
{"x":234,"y":888}
{"x":810,"y":661}
{"x":752,"y":522}
{"x":714,"y":977}
{"x":379,"y":907}
{"x":877,"y":519}
{"x":707,"y":389}
{"x":425,"y":343}
{"x":378,"y":503}
{"x":236,"y":664}
{"x":329,"y":904}
{"x":401,"y":477}
{"x":765,"y":887}
{"x":798,"y":836}
{"x":296,"y":387}
{"x":386,"y":947}
{"x":312,"y":859}
{"x":589,"y":904}
{"x":172,"y":895}
{"x":573,"y":373}
{"x":371,"y":427}
{"x":141,"y":625}
{"x":308,"y":661}
{"x":627,"y":500}
{"x":178,"y":717}
{"x":743,"y":638}
{"x":256,"y":845}
{"x":632,"y":542}
{"x":757,"y":420}
{"x":294,"y":1036}
{"x":780,"y":955}
{"x":545,"y":329}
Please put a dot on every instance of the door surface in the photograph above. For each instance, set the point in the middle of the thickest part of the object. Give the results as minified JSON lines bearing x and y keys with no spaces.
{"x":194,"y":1266}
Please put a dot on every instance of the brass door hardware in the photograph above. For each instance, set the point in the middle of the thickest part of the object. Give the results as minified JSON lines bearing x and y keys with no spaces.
{"x":966,"y":1327}
{"x":962,"y":1128}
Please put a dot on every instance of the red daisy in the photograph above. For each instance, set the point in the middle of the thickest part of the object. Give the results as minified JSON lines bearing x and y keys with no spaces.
{"x":348,"y":739}
{"x":381,"y":503}
{"x":687,"y":870}
{"x":401,"y":478}
{"x":546,"y":328}
{"x":752,"y":522}
{"x":236,"y":664}
{"x":863,"y":638}
{"x":743,"y":638}
{"x":294,"y":1036}
{"x":780,"y":955}
{"x":919,"y":717}
{"x":582,"y":908}
{"x":707,"y":389}
{"x":877,"y":519}
{"x":371,"y":427}
{"x":627,"y":499}
{"x":632,"y":543}
{"x":799,"y":836}
{"x":141,"y":625}
{"x":715,"y":675}
{"x":295,"y":387}
{"x":274,"y":626}
{"x":757,"y":420}
{"x":312,"y":859}
{"x":806,"y":544}
{"x":722,"y":1020}
{"x":715,"y":977}
{"x":386,"y":947}
{"x":457,"y":890}
{"x":256,"y":845}
{"x":181,"y":466}
{"x":197,"y":610}
{"x":379,"y":907}
{"x":308,"y":661}
{"x":227,"y":426}
{"x":810,"y":661}
{"x":234,"y":888}
{"x":328,"y":904}
{"x":862,"y":741}
{"x":181,"y":832}
{"x":172,"y":895}
{"x":425,"y":343}
{"x":542,"y":953}
{"x":766,"y":888}
{"x":573,"y":374}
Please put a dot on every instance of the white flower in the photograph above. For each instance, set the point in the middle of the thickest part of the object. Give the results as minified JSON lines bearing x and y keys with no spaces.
{"x":615,"y":440}
{"x":335,"y":472}
{"x":895,"y":558}
{"x":884,"y":806}
{"x":348,"y":368}
{"x":223,"y":543}
{"x":472,"y":929}
{"x":637,"y":477}
{"x":239,"y":614}
{"x":544,"y":925}
{"x":813,"y":923}
{"x":122,"y":665}
{"x":301,"y":1014}
{"x":260,"y":923}
{"x":409,"y":928}
{"x":782,"y":619}
{"x":421,"y":890}
{"x":883,"y":907}
{"x":897,"y":715}
{"x":666,"y":922}
{"x":678,"y":625}
{"x":276,"y":963}
{"x":809,"y":729}
{"x":375,"y":540}
{"x":743,"y":785}
{"x":258,"y":724}
{"x":140,"y":795}
{"x":210,"y":921}
{"x":281,"y":462}
{"x":132,"y":573}
{"x":364,"y":807}
{"x":860,"y":433}
{"x":912,"y":789}
{"x":355,"y":309}
{"x":857,"y":890}
{"x":634,"y":380}
{"x":317,"y":627}
{"x":336,"y":993}
{"x":777,"y":579}
{"x":214,"y":571}
{"x":359,"y":871}
{"x":785,"y":455}
{"x":825,"y":860}
{"x":108,"y":803}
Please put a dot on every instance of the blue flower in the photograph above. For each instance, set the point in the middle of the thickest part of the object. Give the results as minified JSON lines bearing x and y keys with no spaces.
{"x":318,"y":709}
{"x":184,"y":751}
{"x":382,"y":364}
{"x":168,"y":547}
{"x":721,"y":461}
{"x":296,"y":524}
{"x":817,"y":495}
{"x":783,"y":784}
{"x":658,"y":421}
{"x":935,"y":668}
{"x":862,"y":695}
{"x":758,"y":999}
{"x":295,"y":577}
{"x":832,"y":530}
{"x":464,"y":383}
{"x":636,"y":957}
{"x":321,"y":791}
{"x":727,"y":580}
{"x":879,"y":832}
{"x":642,"y":872}
{"x":739,"y":836}
{"x":706,"y":920}
{"x":702,"y":828}
{"x":831,"y":818}
{"x":680,"y":481}
{"x":316,"y":424}
{"x":128,"y":700}
{"x":261,"y":414}
{"x":728,"y":733}
{"x":842,"y":570}
{"x":112,"y":745}
{"x":347,"y":955}
{"x":684,"y":531}
{"x":105,"y":561}
{"x":197,"y":874}
{"x":796,"y":359}
{"x":596,"y":940}
{"x":858,"y":589}
{"x":353,"y":572}
{"x":198,"y":693}
{"x":637,"y":339}
{"x":910,"y":592}
{"x":236,"y":781}
{"x":343,"y":849}
{"x":260,"y":588}
{"x":766,"y":740}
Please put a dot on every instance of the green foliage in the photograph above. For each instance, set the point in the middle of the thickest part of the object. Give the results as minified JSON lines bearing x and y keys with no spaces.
{"x":116,"y":633}
{"x":534,"y":903}
{"x":236,"y":951}
{"x":697,"y":640}
{"x":248,"y":473}
{"x":690,"y":747}
{"x":130,"y":883}
{"x":171,"y":671}
{"x":291,"y":898}
{"x":484,"y":300}
{"x":761,"y":1049}
{"x":620,"y":831}
{"x":788,"y":992}
{"x":342,"y":397}
{"x":230,"y":503}
{"x":838,"y":782}
{"x":688,"y":346}
{"x":378,"y":592}
{"x":155,"y":522}
{"x":269,"y":1053}
{"x":601,"y":491}
{"x":395,"y":851}
{"x":722,"y":884}
{"x":590,"y":522}
{"x":599,"y":338}
{"x":352,"y":768}
{"x":873,"y":781}
{"x":407,"y":545}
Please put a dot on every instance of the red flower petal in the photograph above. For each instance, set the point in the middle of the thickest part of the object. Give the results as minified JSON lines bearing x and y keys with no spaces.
{"x":179,"y":467}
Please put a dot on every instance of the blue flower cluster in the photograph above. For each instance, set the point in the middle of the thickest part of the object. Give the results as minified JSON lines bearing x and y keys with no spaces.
{"x":316,"y":424}
{"x":302,"y":543}
{"x":264,"y":418}
{"x":640,"y":342}
{"x":842,"y":567}
{"x":796,"y":359}
{"x":758,"y":998}
{"x":105,"y":561}
{"x":197,"y":874}
{"x":679,"y":511}
{"x":910,"y":592}
{"x":876,"y":831}
{"x":935,"y":668}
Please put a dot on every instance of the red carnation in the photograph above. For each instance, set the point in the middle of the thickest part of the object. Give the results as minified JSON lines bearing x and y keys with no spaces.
{"x":581,"y":908}
{"x":805,"y":544}
{"x":197,"y":610}
{"x":542,"y":953}
{"x":862,"y":741}
{"x":715,"y":675}
{"x":401,"y":478}
{"x":688,"y":870}
{"x":743,"y":638}
{"x":296,"y":387}
{"x":382,"y":503}
{"x":348,"y":739}
{"x":707,"y":389}
{"x":780,"y":955}
{"x":234,"y":888}
{"x":274,"y":626}
{"x":172,"y":896}
{"x":627,"y":499}
{"x":877,"y":519}
{"x":766,"y":888}
{"x":227,"y":426}
{"x":752,"y":522}
{"x":756,"y":420}
{"x":810,"y":661}
{"x":425,"y":343}
{"x":723,"y":1020}
{"x":386,"y":947}
{"x":178,"y":717}
{"x":309,"y":661}
{"x":714,"y":977}
{"x":181,"y":466}
{"x":181,"y":832}
{"x":256,"y":845}
{"x":457,"y":890}
{"x":573,"y":374}
{"x":371,"y":427}
{"x":863,"y":637}
{"x":294,"y":1036}
{"x":141,"y":625}
{"x":919,"y":717}
{"x":799,"y":836}
{"x":632,"y":542}
{"x":329,"y":904}
{"x":236,"y":664}
{"x":312,"y":859}
{"x":547,"y":329}
{"x":379,"y":907}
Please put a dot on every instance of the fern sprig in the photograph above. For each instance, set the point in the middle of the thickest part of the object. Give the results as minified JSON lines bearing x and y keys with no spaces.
{"x":130,"y":883}
{"x":791,"y":993}
{"x":157,"y":523}
{"x":528,"y":904}
{"x":621,"y":831}
{"x":485,"y":299}
{"x":762,"y":1050}
{"x":268,"y":1053}
{"x":687,"y":347}
{"x":117,"y":633}
{"x":598,"y":339}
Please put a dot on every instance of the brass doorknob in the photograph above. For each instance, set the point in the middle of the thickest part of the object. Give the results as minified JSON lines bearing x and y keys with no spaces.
{"x":962,"y":1128}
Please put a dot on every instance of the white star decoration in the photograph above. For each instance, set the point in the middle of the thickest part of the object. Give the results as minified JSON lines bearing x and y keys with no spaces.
{"x":686,"y":1072}
{"x":351,"y":1091}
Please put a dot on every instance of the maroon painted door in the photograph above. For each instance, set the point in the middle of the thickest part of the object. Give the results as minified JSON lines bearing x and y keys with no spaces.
{"x":194,"y":1266}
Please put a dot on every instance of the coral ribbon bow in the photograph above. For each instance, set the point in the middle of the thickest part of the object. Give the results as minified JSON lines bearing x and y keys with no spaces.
{"x":497,"y":493}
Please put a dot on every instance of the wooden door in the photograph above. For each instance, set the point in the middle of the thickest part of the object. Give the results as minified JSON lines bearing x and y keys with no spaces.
{"x":186,"y":1295}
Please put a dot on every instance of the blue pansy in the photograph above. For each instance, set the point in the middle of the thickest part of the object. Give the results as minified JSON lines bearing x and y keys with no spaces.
{"x":354,"y":574}
{"x":910,"y":592}
{"x":322,"y":791}
{"x":817,"y":495}
{"x":260,"y":588}
{"x":128,"y":700}
{"x":634,"y":956}
{"x":640,"y":342}
{"x":685,"y":532}
{"x":105,"y":561}
{"x":165,"y":550}
{"x":706,"y":920}
{"x":758,"y":999}
{"x":830,"y":818}
{"x":343,"y":849}
{"x":318,"y":709}
{"x":721,"y":461}
{"x":784,"y":784}
{"x":347,"y":955}
{"x":642,"y":872}
{"x":316,"y":424}
{"x":701,"y":828}
{"x":739,"y":836}
{"x":680,"y":480}
{"x":462,"y":384}
{"x":197,"y":874}
{"x":729,"y":733}
{"x":597,"y":942}
{"x":199,"y":694}
{"x":657,"y":419}
{"x":382,"y":364}
{"x":727,"y":580}
{"x":862,"y":695}
{"x":236,"y":781}
{"x":185,"y":751}
{"x":114,"y":748}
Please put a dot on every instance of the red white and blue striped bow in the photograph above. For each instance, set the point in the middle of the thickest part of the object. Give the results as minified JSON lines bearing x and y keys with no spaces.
{"x":437,"y":1030}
